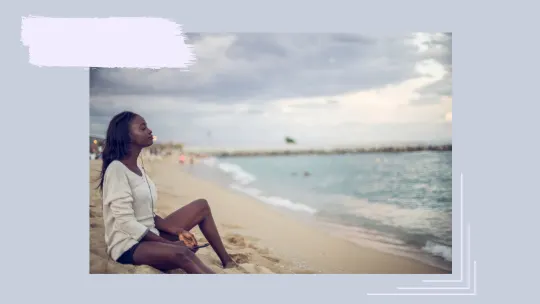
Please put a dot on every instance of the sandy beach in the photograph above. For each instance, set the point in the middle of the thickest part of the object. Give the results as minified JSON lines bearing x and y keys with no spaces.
{"x":261,"y":239}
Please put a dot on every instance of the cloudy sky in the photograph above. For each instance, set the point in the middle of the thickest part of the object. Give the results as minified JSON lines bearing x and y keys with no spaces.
{"x":252,"y":90}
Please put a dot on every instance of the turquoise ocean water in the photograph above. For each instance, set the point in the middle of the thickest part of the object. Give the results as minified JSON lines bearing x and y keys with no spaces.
{"x":395,"y":202}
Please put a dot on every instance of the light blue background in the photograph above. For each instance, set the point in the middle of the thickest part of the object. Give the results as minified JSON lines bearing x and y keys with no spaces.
{"x":45,"y":252}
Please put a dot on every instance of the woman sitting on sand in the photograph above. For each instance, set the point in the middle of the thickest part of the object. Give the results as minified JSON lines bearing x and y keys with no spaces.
{"x":133,"y":232}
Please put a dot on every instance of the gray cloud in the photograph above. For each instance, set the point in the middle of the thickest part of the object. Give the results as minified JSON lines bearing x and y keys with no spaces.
{"x":440,"y":49}
{"x":330,"y":103}
{"x":258,"y":67}
{"x":252,"y":69}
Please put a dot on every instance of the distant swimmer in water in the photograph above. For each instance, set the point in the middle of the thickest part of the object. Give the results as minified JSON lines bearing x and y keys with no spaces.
{"x":307,"y":173}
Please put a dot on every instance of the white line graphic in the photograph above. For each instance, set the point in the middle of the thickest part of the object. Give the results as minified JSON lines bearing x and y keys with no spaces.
{"x":461,"y":246}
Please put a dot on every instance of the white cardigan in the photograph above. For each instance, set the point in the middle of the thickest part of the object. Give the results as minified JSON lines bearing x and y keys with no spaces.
{"x":127,"y":208}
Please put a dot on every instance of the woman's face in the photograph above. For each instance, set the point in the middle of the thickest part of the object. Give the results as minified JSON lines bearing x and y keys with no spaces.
{"x":141,"y":135}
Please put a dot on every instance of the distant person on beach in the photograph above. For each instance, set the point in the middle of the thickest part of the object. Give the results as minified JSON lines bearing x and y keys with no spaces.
{"x":134,"y":234}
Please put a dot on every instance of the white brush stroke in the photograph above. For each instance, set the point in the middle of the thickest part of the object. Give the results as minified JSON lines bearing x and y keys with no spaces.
{"x":129,"y":42}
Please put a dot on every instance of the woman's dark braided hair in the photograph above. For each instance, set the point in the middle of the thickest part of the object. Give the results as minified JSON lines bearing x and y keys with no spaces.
{"x":117,"y":142}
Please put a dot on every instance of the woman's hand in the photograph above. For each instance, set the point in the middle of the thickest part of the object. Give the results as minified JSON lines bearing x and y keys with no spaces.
{"x":188,"y":238}
{"x":182,"y":244}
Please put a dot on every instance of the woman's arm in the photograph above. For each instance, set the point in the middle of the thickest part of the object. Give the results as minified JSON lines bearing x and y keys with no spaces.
{"x":117,"y":194}
{"x":152,"y":237}
{"x":163,"y":225}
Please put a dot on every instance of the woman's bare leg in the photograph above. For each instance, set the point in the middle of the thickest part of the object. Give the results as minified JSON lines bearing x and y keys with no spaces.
{"x":198,"y":213}
{"x":169,"y":257}
{"x":174,"y":238}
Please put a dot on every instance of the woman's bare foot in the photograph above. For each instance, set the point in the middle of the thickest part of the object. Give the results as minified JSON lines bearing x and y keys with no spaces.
{"x":230,"y":264}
